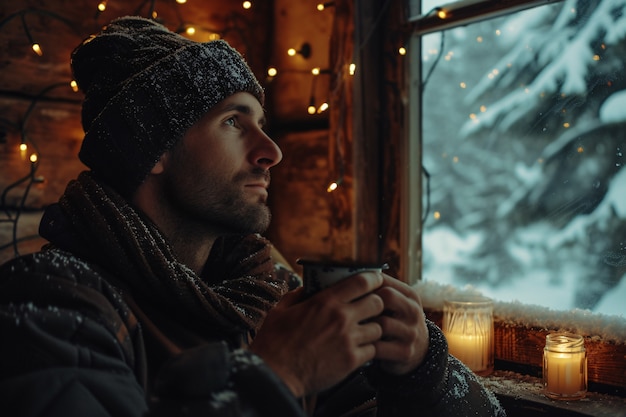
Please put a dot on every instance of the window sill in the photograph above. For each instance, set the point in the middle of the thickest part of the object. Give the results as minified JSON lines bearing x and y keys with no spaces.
{"x":522,"y":395}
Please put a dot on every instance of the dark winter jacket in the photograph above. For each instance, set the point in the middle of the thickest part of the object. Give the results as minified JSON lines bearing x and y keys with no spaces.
{"x":106,"y":322}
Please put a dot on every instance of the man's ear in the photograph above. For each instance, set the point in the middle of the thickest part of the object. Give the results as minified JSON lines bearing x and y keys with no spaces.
{"x":159,"y":167}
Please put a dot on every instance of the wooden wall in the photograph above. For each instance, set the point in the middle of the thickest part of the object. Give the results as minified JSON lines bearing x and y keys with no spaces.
{"x":37,"y":105}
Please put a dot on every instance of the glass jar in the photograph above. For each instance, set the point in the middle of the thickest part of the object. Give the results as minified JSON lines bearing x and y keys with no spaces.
{"x":565,"y":367}
{"x":468,"y":328}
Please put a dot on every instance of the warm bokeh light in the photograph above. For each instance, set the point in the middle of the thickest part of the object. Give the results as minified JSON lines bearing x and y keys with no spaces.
{"x":37,"y":49}
{"x":272,"y":71}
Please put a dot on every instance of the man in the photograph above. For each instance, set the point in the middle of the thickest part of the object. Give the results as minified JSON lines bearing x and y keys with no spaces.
{"x":157,"y":295}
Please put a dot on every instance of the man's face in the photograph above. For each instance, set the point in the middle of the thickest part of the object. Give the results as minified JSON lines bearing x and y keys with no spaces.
{"x":217,"y":176}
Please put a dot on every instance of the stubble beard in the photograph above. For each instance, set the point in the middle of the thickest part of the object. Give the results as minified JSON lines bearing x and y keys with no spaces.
{"x":218,"y":207}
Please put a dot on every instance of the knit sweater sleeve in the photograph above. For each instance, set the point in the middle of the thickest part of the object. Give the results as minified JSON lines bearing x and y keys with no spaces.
{"x":71,"y":347}
{"x":441,"y":386}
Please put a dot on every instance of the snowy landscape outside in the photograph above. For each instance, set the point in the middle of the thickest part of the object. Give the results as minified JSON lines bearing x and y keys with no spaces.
{"x":524,"y":134}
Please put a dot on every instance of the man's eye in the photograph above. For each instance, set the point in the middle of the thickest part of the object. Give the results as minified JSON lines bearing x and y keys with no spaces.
{"x":230,"y":121}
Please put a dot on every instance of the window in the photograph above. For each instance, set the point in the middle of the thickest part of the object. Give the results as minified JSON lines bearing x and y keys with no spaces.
{"x":523,"y":133}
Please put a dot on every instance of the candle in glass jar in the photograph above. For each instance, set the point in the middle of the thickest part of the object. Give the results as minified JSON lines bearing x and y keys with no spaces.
{"x":468,"y":328}
{"x":472,"y":350}
{"x":565,"y":367}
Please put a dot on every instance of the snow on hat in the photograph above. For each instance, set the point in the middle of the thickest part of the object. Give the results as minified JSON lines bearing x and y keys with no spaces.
{"x":144,"y":87}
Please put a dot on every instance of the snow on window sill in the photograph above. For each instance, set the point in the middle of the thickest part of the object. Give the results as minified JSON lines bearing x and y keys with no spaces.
{"x":599,"y":327}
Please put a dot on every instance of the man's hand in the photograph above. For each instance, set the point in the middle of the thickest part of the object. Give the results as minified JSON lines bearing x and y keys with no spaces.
{"x":404,"y":343}
{"x":315,"y":343}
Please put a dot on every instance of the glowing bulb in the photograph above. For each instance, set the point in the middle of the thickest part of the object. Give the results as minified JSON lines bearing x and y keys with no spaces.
{"x":271,"y":71}
{"x":33,"y":158}
{"x":402,"y":50}
{"x":74,"y":85}
{"x":102,"y":5}
{"x":352,"y":69}
{"x":190,"y":30}
{"x":181,"y":1}
{"x":311,"y":109}
{"x":315,"y":71}
{"x":463,"y":85}
{"x":23,"y":147}
{"x":323,"y":6}
{"x":442,"y":14}
{"x":37,"y":49}
{"x":323,"y":108}
{"x":332,"y":186}
{"x":247,"y":5}
{"x":437,"y":215}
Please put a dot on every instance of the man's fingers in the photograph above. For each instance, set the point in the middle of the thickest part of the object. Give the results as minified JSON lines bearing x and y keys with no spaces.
{"x":402,"y":287}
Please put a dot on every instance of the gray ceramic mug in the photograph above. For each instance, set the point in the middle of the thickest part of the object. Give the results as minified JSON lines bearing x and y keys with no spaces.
{"x":320,"y":274}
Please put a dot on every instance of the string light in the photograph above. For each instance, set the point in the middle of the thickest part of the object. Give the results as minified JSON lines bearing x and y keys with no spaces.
{"x":37,"y":49}
{"x":402,"y":51}
{"x":442,"y":14}
{"x":305,"y":51}
{"x":247,"y":5}
{"x":352,"y":68}
{"x":333,"y":186}
{"x":102,"y":5}
{"x":322,"y":6}
{"x":181,"y":1}
{"x":34,"y":45}
{"x":311,"y":109}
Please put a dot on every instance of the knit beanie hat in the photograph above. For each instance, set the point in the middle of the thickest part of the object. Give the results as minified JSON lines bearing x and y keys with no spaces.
{"x":144,"y":87}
